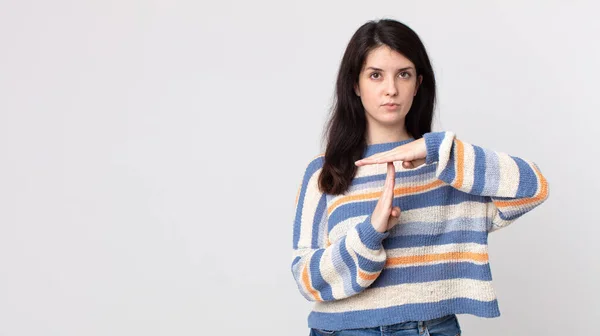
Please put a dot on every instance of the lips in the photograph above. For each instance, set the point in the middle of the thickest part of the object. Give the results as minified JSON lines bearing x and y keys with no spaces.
{"x":391,"y":107}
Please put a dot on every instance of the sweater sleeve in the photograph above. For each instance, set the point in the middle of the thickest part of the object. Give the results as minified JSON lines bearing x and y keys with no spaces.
{"x":324,"y":271}
{"x":513,"y":186}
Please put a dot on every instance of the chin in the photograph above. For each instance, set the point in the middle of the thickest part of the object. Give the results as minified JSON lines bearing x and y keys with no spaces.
{"x":388,"y":118}
{"x":392,"y":116}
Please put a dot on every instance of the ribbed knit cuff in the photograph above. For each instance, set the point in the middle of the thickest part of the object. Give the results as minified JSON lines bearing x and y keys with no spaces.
{"x":370,"y":237}
{"x":433,"y":140}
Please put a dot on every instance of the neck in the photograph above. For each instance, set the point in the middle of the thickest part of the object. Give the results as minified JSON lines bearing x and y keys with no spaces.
{"x":380,"y":136}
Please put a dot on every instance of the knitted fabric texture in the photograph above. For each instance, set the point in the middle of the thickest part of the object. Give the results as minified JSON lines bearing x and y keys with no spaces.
{"x":434,"y":262}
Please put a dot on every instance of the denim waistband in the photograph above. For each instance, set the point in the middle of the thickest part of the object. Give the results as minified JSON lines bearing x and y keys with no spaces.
{"x":416,"y":324}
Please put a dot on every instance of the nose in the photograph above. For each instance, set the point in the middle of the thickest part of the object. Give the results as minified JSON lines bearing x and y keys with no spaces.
{"x":390,"y":87}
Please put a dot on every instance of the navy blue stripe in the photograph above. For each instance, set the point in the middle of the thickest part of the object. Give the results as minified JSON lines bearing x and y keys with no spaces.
{"x":317,"y":280}
{"x":319,"y":213}
{"x":452,"y":237}
{"x":448,"y":174}
{"x":433,"y":141}
{"x":368,"y":236}
{"x":369,"y":265}
{"x":409,"y":312}
{"x":528,"y":182}
{"x":352,"y":267}
{"x":425,"y":273}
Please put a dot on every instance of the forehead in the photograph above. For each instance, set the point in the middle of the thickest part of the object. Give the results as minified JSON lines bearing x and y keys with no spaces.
{"x":384,"y":57}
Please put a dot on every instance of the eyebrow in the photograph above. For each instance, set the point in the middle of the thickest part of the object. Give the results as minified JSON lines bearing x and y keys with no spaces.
{"x":401,"y":69}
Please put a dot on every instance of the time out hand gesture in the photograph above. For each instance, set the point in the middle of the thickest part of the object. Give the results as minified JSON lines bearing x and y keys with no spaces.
{"x":385,"y":217}
{"x":412,"y":155}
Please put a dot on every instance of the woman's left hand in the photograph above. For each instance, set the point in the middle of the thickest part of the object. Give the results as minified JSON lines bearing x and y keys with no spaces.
{"x":412,"y":155}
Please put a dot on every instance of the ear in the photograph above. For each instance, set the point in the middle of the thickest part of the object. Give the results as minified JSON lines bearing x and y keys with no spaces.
{"x":356,"y":90}
{"x":419,"y":81}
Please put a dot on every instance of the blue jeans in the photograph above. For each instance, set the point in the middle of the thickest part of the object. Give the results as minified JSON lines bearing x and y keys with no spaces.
{"x":443,"y":326}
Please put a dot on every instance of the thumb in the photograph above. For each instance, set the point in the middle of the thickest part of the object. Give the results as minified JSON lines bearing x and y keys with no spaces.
{"x":396,"y":212}
{"x":394,"y":218}
{"x":413,"y":164}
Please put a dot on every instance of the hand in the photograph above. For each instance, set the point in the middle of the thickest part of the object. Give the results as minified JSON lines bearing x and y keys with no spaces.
{"x":412,"y":155}
{"x":385,"y":217}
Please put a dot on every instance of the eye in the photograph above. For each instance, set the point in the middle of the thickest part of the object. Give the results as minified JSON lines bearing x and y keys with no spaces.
{"x":375,"y":73}
{"x":405,"y":72}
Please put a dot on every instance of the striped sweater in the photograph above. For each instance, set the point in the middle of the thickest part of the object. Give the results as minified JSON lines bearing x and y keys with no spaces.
{"x":435,"y":261}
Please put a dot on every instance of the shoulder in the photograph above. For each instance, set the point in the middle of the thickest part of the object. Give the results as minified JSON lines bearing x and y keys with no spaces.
{"x":313,"y":168}
{"x":315,"y":164}
{"x":311,"y":175}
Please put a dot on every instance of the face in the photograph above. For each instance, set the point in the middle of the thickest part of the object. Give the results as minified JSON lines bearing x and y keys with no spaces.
{"x":387,"y":77}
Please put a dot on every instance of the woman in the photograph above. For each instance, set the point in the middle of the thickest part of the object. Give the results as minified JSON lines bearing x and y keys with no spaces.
{"x":391,"y":227}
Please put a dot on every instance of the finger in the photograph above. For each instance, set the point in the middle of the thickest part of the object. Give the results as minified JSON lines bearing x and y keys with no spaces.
{"x":413,"y":164}
{"x":391,"y":176}
{"x":380,"y":158}
{"x":377,"y":155}
{"x":366,"y":161}
{"x":386,"y":189}
{"x":393,"y":221}
{"x":384,"y":193}
{"x":418,"y":162}
{"x":390,"y":157}
{"x":391,"y":173}
{"x":369,"y":159}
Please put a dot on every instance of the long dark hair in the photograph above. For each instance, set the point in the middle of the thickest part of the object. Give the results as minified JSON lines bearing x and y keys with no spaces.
{"x":347,"y":126}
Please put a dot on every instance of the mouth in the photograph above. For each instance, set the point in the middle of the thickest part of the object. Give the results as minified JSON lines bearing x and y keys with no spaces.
{"x":390,"y":106}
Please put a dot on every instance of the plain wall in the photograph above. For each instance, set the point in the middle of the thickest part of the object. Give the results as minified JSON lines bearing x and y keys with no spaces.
{"x":150,"y":154}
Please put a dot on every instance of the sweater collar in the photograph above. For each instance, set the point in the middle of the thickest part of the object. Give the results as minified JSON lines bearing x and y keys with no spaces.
{"x":382,"y":147}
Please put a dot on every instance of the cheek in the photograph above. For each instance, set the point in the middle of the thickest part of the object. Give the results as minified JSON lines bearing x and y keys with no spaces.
{"x":408,"y":93}
{"x":370,"y":94}
{"x":370,"y":101}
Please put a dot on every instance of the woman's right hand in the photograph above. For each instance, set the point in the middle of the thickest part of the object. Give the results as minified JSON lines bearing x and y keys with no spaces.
{"x":385,"y":217}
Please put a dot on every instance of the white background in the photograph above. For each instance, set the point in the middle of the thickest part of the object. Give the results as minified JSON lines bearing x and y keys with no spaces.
{"x":150,"y":154}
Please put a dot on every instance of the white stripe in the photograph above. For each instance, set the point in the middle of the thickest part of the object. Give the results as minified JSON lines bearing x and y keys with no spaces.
{"x":469,"y":167}
{"x":444,"y":152}
{"x":436,"y":249}
{"x":340,"y":229}
{"x":445,"y":212}
{"x":351,"y":240}
{"x":330,"y":275}
{"x":437,"y":262}
{"x":309,"y":208}
{"x":509,"y":176}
